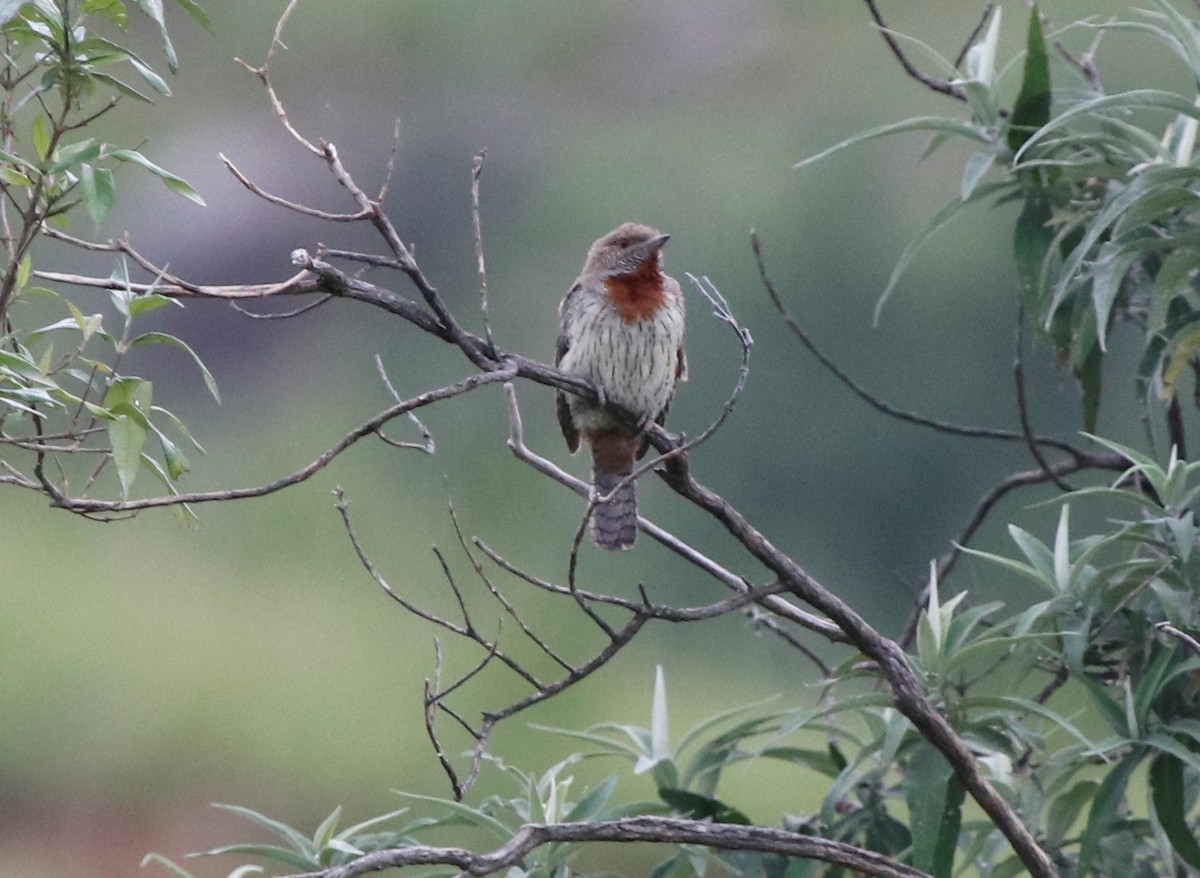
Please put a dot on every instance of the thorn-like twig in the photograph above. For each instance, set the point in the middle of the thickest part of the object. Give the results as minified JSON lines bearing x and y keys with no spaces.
{"x":477,"y":223}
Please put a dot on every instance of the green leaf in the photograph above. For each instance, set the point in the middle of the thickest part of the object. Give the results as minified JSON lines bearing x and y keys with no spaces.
{"x":172,"y":182}
{"x":8,"y":11}
{"x":940,"y":219}
{"x":1089,"y":374}
{"x":327,"y":828}
{"x":1106,"y":810}
{"x":1168,"y":794}
{"x":473,"y":816}
{"x":127,"y":437}
{"x":67,"y":157}
{"x":977,"y":165}
{"x":41,"y":137}
{"x":160,"y":860}
{"x":151,"y":338}
{"x":177,"y":462}
{"x":113,"y":10}
{"x":99,"y":193}
{"x":935,"y":799}
{"x":155,"y":81}
{"x":1180,"y":350}
{"x":1028,"y":705}
{"x":918,"y":123}
{"x":1032,"y":240}
{"x":267,"y":852}
{"x":293,"y":837}
{"x":660,"y":743}
{"x":122,"y":87}
{"x":1108,"y":271}
{"x":593,"y":803}
{"x":358,"y":828}
{"x":198,"y":15}
{"x":1032,"y":108}
{"x":699,"y":807}
{"x":154,"y":9}
{"x":1065,"y":809}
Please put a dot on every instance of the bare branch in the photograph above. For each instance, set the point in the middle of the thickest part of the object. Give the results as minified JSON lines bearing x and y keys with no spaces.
{"x":264,"y":75}
{"x":427,"y":444}
{"x":1110,"y":462}
{"x":281,"y":315}
{"x":431,"y":721}
{"x":659,"y":830}
{"x":465,"y":630}
{"x":278,"y":201}
{"x":939,"y":85}
{"x":477,"y":223}
{"x":85,"y":505}
{"x":874,"y":401}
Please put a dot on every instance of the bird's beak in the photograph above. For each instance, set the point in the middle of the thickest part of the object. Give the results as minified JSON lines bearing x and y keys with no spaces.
{"x":651,"y":247}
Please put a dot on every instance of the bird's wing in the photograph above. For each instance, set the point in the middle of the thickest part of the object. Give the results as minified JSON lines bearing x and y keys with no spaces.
{"x":565,"y":421}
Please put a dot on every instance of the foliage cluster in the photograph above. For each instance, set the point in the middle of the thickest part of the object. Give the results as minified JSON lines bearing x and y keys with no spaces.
{"x":68,"y":409}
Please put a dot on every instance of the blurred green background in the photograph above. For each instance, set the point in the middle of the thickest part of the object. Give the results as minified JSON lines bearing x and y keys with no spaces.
{"x":148,"y":670}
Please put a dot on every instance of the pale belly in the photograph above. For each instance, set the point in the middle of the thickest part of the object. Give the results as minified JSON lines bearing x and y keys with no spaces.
{"x":635,"y":363}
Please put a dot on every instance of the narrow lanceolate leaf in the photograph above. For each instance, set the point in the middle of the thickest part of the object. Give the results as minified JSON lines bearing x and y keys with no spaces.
{"x":149,"y":338}
{"x":198,"y":15}
{"x":660,"y":745}
{"x":1106,"y":810}
{"x":935,"y":800}
{"x":160,"y":860}
{"x":919,"y":123}
{"x":1170,"y":806}
{"x":127,"y":437}
{"x":154,"y":9}
{"x":99,"y":193}
{"x":172,"y":181}
{"x":1032,"y":108}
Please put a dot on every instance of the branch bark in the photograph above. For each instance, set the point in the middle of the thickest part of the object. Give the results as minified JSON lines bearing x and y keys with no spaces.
{"x":657,"y":830}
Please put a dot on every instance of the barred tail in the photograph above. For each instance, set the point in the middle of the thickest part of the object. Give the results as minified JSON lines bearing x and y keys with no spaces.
{"x":614,"y":521}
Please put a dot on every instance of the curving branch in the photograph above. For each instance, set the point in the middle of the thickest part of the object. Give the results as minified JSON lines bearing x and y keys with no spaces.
{"x":658,"y":830}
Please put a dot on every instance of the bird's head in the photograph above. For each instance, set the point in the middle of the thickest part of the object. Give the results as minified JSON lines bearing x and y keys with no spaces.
{"x":627,"y":249}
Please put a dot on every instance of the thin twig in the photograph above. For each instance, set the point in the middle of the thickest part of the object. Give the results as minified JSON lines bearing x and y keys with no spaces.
{"x":1186,"y":639}
{"x":973,"y":36}
{"x":875,"y":402}
{"x":477,"y":223}
{"x":281,"y":315}
{"x":939,"y":85}
{"x":431,"y":721}
{"x":367,"y":428}
{"x":426,"y":444}
{"x":279,"y":201}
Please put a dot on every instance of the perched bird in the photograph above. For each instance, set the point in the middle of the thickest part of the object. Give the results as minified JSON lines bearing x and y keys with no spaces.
{"x":622,"y":330}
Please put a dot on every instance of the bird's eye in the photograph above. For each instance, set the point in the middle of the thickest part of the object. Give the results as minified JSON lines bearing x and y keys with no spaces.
{"x":622,"y":243}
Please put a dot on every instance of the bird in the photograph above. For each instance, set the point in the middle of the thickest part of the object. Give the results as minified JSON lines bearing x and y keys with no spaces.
{"x":621,"y":330}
